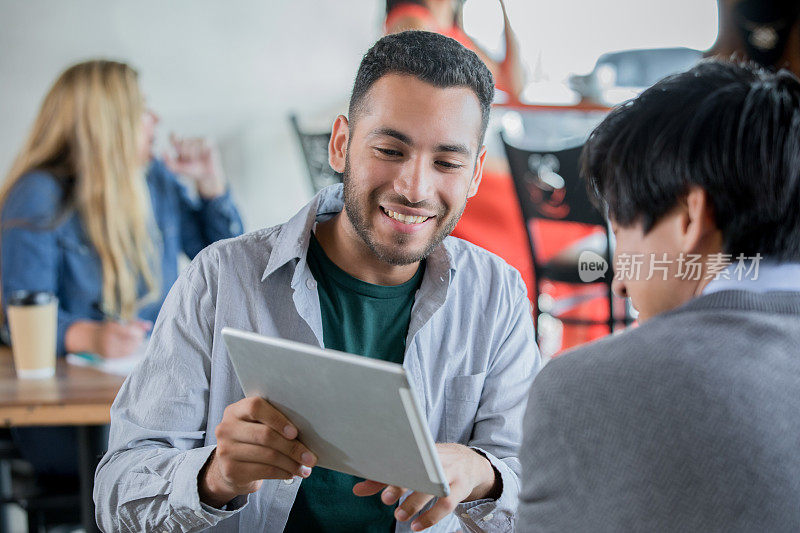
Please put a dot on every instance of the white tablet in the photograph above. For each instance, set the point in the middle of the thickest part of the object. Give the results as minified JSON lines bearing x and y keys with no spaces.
{"x":359,"y":415}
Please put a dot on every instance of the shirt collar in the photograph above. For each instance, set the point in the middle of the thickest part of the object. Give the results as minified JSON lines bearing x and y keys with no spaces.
{"x":293,"y":240}
{"x":768,"y":276}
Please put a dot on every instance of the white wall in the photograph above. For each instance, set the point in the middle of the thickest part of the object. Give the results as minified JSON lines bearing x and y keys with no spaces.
{"x":230,"y":70}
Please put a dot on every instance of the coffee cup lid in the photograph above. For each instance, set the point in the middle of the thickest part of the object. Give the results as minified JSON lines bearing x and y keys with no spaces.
{"x":24,"y":297}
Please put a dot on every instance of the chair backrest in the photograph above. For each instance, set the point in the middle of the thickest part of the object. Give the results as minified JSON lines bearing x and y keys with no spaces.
{"x":548,"y":185}
{"x":315,"y":153}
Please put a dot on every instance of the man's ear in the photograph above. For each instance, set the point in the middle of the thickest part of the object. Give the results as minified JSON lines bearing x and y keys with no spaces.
{"x":337,"y":148}
{"x":700,"y":233}
{"x":477,"y":174}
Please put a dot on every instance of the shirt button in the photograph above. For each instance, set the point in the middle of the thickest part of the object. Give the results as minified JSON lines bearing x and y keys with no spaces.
{"x":311,"y":284}
{"x":289,"y":481}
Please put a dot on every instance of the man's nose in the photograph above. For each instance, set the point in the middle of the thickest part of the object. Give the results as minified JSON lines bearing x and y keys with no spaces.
{"x":618,"y":288}
{"x":415,"y":182}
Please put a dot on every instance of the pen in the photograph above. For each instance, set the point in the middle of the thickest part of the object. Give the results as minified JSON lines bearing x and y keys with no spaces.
{"x":114,"y":317}
{"x":90,"y":357}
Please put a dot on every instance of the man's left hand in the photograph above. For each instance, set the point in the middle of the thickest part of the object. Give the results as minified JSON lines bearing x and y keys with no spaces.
{"x":471,"y":477}
{"x":197,"y":159}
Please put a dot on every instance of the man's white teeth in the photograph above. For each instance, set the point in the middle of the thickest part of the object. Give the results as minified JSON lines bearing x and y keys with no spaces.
{"x":405,"y":219}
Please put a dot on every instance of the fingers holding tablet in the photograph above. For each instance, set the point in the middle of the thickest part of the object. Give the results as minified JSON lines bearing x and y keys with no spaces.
{"x":255,"y":441}
{"x":471,"y":477}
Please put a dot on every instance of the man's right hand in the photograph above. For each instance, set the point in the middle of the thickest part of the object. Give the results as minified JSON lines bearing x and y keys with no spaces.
{"x":254,"y":442}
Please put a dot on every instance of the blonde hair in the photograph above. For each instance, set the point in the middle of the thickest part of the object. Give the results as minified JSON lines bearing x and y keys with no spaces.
{"x":87,"y":136}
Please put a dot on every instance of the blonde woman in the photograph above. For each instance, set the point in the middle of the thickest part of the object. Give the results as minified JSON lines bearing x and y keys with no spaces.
{"x":89,"y":216}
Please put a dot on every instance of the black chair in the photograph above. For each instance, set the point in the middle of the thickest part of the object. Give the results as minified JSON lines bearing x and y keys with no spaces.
{"x":45,"y":502}
{"x":8,"y":453}
{"x":315,"y":153}
{"x":548,"y":187}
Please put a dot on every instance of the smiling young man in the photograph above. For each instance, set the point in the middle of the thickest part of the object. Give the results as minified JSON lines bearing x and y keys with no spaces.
{"x":690,"y":421}
{"x":366,"y":268}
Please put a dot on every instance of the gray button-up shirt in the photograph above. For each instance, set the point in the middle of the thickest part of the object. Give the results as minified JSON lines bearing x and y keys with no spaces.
{"x":470,"y":353}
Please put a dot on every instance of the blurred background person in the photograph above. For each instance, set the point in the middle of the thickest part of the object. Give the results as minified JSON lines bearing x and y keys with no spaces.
{"x":766,"y":32}
{"x":88,"y":215}
{"x":445,"y":17}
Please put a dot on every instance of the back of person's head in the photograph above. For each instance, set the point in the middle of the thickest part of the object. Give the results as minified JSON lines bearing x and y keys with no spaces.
{"x":87,"y":135}
{"x":731,"y":129}
{"x":391,"y":4}
{"x":430,"y":57}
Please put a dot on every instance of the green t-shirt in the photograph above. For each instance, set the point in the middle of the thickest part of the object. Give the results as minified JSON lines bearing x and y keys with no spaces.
{"x":364,"y":319}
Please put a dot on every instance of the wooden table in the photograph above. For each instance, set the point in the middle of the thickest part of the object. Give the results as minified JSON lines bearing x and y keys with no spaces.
{"x":76,"y":396}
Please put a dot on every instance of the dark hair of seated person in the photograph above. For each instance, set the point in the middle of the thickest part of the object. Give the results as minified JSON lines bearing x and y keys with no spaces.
{"x":732,"y":129}
{"x":441,"y":61}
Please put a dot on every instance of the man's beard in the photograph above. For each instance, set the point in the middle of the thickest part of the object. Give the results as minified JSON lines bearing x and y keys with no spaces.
{"x":359,"y":217}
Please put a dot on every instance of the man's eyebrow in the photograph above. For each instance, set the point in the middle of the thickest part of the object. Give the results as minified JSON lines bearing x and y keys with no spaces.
{"x":405,"y":139}
{"x":457,"y":148}
{"x":402,"y":137}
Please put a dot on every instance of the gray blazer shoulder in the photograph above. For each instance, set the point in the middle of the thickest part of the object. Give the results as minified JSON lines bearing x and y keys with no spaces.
{"x":687,"y":423}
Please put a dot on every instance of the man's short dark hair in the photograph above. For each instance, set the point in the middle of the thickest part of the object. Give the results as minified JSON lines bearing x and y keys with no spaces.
{"x":732,"y":129}
{"x":433,"y":58}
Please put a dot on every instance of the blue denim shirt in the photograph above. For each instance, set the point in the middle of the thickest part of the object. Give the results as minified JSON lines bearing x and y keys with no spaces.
{"x":470,"y":353}
{"x":48,"y":252}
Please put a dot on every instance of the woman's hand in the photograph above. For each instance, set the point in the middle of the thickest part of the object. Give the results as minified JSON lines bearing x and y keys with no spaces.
{"x":108,"y":339}
{"x":197,"y":159}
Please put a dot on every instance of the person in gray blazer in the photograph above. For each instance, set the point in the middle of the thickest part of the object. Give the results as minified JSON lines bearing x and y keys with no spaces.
{"x":690,"y":422}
